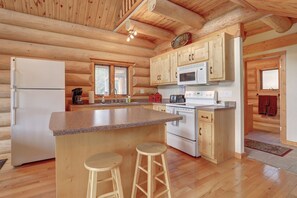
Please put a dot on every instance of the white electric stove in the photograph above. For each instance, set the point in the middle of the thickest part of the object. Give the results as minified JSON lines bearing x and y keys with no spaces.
{"x":183,"y":134}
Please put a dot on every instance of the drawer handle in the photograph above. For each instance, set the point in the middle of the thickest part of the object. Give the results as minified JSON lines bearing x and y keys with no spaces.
{"x":200,"y":131}
{"x":204,"y":117}
{"x":210,"y":70}
{"x":192,"y":56}
{"x":175,"y":74}
{"x":189,"y":57}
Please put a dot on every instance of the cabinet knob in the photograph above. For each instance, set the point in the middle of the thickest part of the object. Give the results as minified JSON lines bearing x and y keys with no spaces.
{"x":210,"y":70}
{"x":192,"y":56}
{"x":189,"y":57}
{"x":175,"y":74}
{"x":200,"y":131}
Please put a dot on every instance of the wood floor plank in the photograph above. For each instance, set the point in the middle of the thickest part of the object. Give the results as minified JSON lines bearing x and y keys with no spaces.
{"x":190,"y":178}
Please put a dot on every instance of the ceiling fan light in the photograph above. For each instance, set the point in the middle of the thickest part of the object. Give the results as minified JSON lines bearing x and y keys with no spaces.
{"x":135,"y":33}
{"x":131,"y":36}
{"x":128,"y":39}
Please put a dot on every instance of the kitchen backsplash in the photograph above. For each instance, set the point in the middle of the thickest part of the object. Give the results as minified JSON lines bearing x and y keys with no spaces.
{"x":168,"y":90}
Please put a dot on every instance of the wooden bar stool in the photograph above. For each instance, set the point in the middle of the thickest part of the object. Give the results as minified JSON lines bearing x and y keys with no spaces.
{"x":151,"y":150}
{"x":102,"y":162}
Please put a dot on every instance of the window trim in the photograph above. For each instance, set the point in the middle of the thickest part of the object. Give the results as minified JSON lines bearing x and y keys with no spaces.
{"x":112,"y":65}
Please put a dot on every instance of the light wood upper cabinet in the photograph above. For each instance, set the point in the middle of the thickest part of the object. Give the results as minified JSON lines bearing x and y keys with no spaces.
{"x":220,"y":64}
{"x":173,"y":65}
{"x":163,"y":69}
{"x":192,"y":54}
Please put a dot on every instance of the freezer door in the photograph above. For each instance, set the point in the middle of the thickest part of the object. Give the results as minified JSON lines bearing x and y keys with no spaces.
{"x":31,"y":138}
{"x":33,"y":73}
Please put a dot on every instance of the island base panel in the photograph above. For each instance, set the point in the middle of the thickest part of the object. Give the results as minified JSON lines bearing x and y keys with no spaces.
{"x":73,"y":150}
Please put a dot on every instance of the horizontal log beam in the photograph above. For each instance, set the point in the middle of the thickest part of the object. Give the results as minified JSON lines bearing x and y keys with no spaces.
{"x":275,"y":43}
{"x":278,"y":23}
{"x":4,"y":91}
{"x":141,"y":81}
{"x":176,"y":13}
{"x":144,"y":91}
{"x":12,"y":32}
{"x":4,"y":119}
{"x":5,"y":77}
{"x":62,"y":53}
{"x":149,"y":30}
{"x":244,"y":4}
{"x":52,"y":25}
{"x":236,"y":16}
{"x":78,"y":79}
{"x":78,"y":67}
{"x":141,"y":72}
{"x":5,"y":133}
{"x":4,"y":104}
{"x":5,"y":62}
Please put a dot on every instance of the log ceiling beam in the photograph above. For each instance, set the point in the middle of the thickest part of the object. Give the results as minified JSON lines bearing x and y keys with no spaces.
{"x":149,"y":30}
{"x":176,"y":13}
{"x":239,"y":15}
{"x":244,"y":4}
{"x":52,"y":25}
{"x":278,"y":23}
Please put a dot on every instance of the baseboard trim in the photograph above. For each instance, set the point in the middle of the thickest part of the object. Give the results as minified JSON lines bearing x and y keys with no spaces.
{"x":240,"y":155}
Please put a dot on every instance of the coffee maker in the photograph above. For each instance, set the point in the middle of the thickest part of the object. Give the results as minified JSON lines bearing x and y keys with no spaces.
{"x":76,"y":96}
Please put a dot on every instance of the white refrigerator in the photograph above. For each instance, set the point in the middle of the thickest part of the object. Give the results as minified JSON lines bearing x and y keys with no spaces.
{"x":37,"y":90}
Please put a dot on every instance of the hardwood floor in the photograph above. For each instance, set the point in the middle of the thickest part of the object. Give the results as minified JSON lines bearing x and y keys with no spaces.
{"x":190,"y":177}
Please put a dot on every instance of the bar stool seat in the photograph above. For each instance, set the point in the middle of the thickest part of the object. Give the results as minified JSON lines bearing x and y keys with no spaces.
{"x":151,"y":150}
{"x":102,"y":162}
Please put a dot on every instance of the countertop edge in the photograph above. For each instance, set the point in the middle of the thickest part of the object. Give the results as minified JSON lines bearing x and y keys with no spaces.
{"x":109,"y":127}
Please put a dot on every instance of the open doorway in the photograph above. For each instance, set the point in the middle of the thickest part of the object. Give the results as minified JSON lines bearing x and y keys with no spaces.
{"x":265,"y":98}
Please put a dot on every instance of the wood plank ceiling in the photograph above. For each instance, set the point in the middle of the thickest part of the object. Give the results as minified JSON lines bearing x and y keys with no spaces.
{"x":101,"y":14}
{"x":104,"y":14}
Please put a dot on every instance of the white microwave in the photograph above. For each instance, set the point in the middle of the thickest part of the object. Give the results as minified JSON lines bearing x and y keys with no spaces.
{"x":193,"y":74}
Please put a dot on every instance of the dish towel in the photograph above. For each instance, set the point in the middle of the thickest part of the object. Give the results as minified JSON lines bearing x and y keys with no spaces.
{"x":272,"y":108}
{"x":263,"y":103}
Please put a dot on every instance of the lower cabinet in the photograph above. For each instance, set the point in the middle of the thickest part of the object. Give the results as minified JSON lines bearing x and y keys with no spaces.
{"x":216,"y":134}
{"x":159,"y":107}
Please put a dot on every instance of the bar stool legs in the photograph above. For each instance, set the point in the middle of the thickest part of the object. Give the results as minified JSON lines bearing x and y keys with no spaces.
{"x":151,"y":150}
{"x":103,"y":162}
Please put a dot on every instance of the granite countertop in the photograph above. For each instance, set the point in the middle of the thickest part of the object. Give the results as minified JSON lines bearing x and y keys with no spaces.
{"x":120,"y":104}
{"x":215,"y":108}
{"x":65,"y":123}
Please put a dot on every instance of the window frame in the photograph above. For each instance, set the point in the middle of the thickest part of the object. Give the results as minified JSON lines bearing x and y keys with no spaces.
{"x":112,"y":65}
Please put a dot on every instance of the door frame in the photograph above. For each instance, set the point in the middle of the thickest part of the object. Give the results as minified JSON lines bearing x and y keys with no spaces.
{"x":282,"y":87}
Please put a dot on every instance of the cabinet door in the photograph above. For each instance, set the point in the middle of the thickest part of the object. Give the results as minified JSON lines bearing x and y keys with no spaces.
{"x":205,"y":139}
{"x":164,"y":69}
{"x":199,"y":52}
{"x":173,"y":69}
{"x":216,"y":62}
{"x":184,"y":56}
{"x":154,"y":75}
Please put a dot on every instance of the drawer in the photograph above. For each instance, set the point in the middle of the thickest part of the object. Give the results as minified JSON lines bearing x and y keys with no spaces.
{"x":206,"y":116}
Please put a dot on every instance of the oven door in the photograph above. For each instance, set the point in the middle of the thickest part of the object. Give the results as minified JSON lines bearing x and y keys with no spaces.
{"x":183,"y":128}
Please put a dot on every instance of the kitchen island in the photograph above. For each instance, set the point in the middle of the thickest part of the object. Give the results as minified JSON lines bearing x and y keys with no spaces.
{"x":83,"y":133}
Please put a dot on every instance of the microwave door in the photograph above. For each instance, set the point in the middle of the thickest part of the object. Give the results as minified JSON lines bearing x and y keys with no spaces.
{"x":187,"y":77}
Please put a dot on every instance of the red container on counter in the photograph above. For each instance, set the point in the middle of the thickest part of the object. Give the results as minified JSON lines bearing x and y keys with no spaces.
{"x":152,"y":98}
{"x":158,"y":97}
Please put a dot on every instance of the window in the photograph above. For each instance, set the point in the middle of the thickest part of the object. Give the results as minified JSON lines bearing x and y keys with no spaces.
{"x":111,"y":80}
{"x":269,"y":79}
{"x":102,"y":80}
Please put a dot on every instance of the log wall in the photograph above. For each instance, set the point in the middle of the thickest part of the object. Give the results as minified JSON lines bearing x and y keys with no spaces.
{"x":4,"y":104}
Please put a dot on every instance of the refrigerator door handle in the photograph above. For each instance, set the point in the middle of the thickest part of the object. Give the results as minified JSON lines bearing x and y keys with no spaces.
{"x":13,"y":73}
{"x":14,"y":107}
